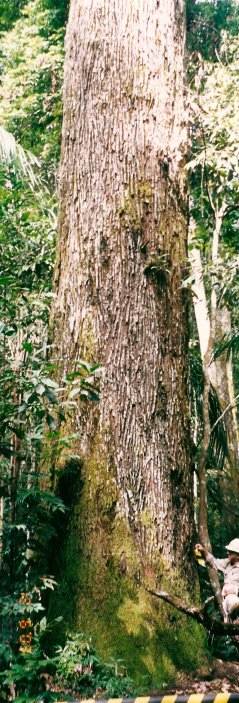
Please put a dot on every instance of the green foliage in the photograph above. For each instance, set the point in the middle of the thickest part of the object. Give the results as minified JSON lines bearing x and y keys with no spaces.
{"x":229,"y":344}
{"x":12,"y":154}
{"x":206,"y":20}
{"x":33,"y":404}
{"x":214,"y":188}
{"x":27,"y":232}
{"x":74,"y":669}
{"x":215,"y":162}
{"x":58,"y":12}
{"x":196,"y":386}
{"x":216,"y":144}
{"x":31,"y":400}
{"x":32,"y":65}
{"x":84,"y":673}
{"x":214,"y":169}
{"x":9,"y":12}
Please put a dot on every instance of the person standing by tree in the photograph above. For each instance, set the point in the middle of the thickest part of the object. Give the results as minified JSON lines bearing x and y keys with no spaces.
{"x":230,"y":568}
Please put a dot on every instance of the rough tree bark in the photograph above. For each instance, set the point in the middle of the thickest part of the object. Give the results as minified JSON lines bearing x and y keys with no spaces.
{"x":121,"y":252}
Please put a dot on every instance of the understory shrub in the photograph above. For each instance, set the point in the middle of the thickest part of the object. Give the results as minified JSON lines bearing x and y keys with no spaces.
{"x":73,"y":670}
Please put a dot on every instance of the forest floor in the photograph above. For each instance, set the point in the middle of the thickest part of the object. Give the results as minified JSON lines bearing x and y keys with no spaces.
{"x":223,"y":676}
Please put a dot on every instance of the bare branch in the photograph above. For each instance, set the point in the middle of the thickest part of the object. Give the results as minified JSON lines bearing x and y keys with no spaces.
{"x":216,"y":627}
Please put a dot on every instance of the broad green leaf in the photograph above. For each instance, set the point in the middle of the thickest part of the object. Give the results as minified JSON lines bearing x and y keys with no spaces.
{"x":49,"y":382}
{"x":78,"y":390}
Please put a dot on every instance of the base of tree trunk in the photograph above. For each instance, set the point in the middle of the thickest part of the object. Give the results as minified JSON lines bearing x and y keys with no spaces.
{"x":102,"y":593}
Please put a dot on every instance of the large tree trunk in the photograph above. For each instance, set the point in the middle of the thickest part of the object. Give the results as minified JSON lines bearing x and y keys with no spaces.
{"x":121,"y":252}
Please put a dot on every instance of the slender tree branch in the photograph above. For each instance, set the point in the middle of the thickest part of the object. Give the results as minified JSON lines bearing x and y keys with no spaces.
{"x":199,"y":614}
{"x":203,"y":23}
{"x":231,"y":208}
{"x":205,"y":170}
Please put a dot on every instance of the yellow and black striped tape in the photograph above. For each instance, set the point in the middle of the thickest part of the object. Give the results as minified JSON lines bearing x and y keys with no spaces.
{"x":170,"y":698}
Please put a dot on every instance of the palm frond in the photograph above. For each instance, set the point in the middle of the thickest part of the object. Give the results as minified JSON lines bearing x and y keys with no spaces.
{"x":218,"y":448}
{"x":227,"y":343}
{"x":12,"y":153}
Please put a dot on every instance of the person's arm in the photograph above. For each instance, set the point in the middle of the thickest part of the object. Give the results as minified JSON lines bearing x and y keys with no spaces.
{"x":218,"y":564}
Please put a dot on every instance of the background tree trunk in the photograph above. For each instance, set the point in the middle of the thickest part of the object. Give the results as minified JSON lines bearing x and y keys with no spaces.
{"x":121,"y":252}
{"x":218,"y":375}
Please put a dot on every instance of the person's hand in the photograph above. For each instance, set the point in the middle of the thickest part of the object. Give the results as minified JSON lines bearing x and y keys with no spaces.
{"x":199,"y":548}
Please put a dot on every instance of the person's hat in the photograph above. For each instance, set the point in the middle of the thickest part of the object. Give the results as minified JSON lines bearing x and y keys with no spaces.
{"x":233,"y":546}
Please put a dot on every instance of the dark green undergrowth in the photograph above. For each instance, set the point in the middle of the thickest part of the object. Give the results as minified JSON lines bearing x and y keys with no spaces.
{"x":74,"y":670}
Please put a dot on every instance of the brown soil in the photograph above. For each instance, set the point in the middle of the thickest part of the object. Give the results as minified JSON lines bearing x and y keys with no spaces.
{"x":222,"y":677}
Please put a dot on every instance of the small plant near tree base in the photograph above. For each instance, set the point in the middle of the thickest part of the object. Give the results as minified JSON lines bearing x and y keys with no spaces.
{"x":73,"y":670}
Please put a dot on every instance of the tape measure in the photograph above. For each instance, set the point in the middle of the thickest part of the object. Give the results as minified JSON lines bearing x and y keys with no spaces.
{"x":170,"y":698}
{"x":199,"y":558}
